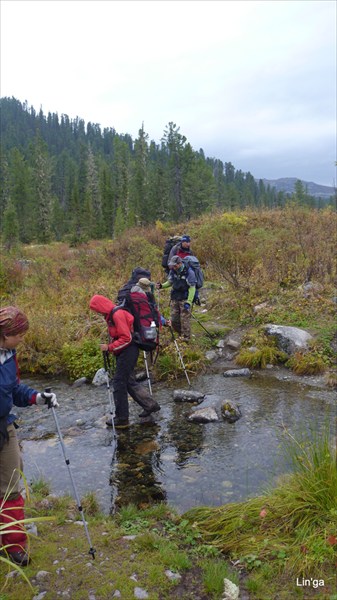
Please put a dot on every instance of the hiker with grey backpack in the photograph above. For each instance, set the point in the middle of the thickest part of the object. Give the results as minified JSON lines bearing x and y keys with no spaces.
{"x":185,"y":278}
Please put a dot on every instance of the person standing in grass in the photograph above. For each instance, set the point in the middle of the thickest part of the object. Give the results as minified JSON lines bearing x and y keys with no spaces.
{"x":13,"y":327}
{"x":182,"y":280}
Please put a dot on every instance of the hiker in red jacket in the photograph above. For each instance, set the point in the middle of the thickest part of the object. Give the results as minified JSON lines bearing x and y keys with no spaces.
{"x":121,"y":344}
{"x":13,"y":326}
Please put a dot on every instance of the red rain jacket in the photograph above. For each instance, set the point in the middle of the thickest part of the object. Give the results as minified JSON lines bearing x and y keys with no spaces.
{"x":121,"y":329}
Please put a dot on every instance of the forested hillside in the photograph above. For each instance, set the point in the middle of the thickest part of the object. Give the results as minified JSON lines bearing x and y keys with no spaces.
{"x":62,"y":179}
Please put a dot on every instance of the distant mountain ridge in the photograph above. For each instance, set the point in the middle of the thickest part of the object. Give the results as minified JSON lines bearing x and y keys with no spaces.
{"x":287,"y":184}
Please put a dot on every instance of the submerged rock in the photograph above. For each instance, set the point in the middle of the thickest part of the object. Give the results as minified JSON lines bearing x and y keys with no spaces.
{"x":230,"y":412}
{"x":188,"y":396}
{"x":204,"y":415}
{"x":237,"y":373}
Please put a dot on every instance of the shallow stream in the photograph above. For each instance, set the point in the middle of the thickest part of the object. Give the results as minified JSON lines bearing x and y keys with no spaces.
{"x":183,"y":463}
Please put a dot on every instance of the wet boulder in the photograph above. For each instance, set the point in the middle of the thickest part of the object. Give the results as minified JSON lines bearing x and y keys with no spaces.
{"x":80,"y":381}
{"x":100,"y":377}
{"x":188,"y":396}
{"x":204,"y":415}
{"x":289,"y":339}
{"x":230,"y":412}
{"x":237,"y":373}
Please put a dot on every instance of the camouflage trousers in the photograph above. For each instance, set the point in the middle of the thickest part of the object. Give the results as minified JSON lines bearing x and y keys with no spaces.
{"x":181,"y":318}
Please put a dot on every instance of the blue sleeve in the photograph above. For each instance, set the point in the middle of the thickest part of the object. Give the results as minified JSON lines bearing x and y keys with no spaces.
{"x":22,"y":394}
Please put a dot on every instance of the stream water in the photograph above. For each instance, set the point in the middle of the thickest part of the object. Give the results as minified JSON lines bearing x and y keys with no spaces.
{"x":173,"y":460}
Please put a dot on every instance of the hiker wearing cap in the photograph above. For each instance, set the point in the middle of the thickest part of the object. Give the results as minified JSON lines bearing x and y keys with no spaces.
{"x":182,"y":280}
{"x":121,"y":344}
{"x":182,"y":249}
{"x":13,"y":327}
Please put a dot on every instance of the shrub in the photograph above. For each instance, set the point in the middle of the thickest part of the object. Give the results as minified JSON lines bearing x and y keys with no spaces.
{"x":82,"y":359}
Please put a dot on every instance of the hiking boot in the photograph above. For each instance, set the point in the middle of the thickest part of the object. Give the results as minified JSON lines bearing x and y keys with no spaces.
{"x":19,"y":558}
{"x":122,"y":423}
{"x":149,"y":411}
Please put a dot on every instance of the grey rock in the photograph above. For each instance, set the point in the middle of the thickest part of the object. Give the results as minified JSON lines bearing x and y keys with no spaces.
{"x":237,"y":373}
{"x":231,"y":591}
{"x":187,"y":396}
{"x":211,"y":355}
{"x":40,"y":596}
{"x":233,"y":343}
{"x":230,"y":412}
{"x":42,"y":575}
{"x":79,"y":382}
{"x":172,"y":576}
{"x":260,"y":307}
{"x":31,"y":528}
{"x":140,"y":593}
{"x":100,"y":377}
{"x":289,"y":339}
{"x":204,"y":415}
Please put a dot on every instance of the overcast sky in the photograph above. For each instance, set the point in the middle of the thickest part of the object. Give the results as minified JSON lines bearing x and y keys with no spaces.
{"x":252,"y":83}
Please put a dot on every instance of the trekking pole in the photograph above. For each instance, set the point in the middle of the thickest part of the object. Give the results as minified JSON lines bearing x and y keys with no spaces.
{"x":107,"y":372}
{"x":179,"y":354}
{"x":201,"y":325}
{"x":147,"y":372}
{"x":67,"y":461}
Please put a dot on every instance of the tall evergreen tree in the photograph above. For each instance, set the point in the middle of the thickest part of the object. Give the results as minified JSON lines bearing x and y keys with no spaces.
{"x":10,"y":229}
{"x":42,"y":188}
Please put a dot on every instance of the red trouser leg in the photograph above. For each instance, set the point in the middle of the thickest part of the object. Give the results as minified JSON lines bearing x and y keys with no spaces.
{"x":13,"y":536}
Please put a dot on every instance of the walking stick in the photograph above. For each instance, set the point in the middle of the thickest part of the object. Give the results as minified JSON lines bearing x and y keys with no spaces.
{"x":107,"y":365}
{"x":179,"y":354}
{"x":201,"y":325}
{"x":67,"y":461}
{"x":147,"y":372}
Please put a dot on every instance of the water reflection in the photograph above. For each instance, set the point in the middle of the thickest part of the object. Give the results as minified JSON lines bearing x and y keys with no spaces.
{"x":136,"y":468}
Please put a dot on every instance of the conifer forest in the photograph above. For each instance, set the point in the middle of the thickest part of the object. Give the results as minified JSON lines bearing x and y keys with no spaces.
{"x":62,"y":179}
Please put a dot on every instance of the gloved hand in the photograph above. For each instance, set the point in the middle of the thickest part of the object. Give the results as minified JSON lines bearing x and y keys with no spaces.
{"x":158,"y":285}
{"x":47,"y":398}
{"x":187,"y":306}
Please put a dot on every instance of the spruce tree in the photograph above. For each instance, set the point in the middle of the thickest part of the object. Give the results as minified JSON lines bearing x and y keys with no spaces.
{"x":10,"y":229}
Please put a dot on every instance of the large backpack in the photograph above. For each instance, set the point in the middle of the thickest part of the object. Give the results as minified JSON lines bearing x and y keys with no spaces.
{"x":170,"y":242}
{"x":192,"y":261}
{"x":136,"y":274}
{"x":146,"y":319}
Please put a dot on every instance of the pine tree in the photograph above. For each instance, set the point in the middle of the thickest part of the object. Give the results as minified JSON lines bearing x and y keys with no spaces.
{"x":42,"y":188}
{"x":10,"y":230}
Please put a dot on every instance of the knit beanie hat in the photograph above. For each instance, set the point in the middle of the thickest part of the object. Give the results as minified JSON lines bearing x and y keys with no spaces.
{"x":12,"y":321}
{"x":145,"y":284}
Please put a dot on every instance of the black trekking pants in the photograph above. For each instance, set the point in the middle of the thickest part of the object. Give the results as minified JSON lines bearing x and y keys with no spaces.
{"x":124,"y":382}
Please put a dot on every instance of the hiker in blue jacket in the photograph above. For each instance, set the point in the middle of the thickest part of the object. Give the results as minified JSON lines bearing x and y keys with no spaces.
{"x":182,"y":280}
{"x":13,"y":326}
